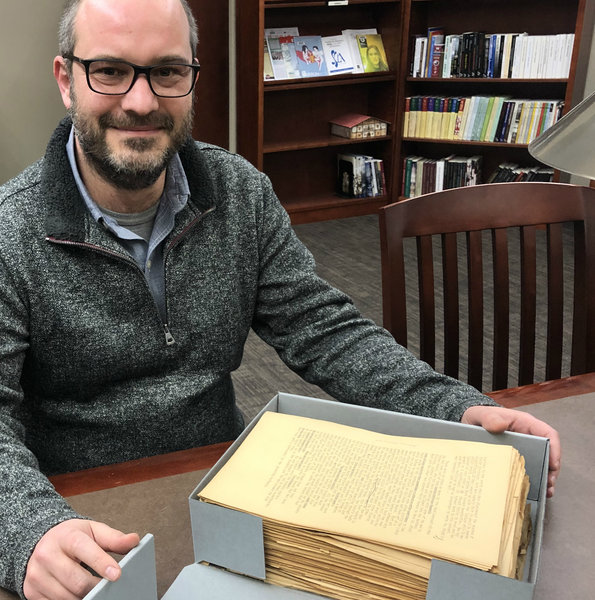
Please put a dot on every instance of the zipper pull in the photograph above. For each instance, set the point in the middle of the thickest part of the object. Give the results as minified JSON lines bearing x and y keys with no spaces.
{"x":169,"y":338}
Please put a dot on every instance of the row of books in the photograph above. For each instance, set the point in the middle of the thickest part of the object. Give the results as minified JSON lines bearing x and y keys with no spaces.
{"x":360,"y":176}
{"x":288,"y":55}
{"x":422,"y":175}
{"x":425,"y":175}
{"x":509,"y":172}
{"x":492,"y":55}
{"x":479,"y":118}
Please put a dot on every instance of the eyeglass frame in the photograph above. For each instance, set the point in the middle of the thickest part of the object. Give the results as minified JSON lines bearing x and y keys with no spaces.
{"x":138,"y":70}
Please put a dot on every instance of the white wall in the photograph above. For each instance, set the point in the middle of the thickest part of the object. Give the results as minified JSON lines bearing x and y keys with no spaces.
{"x":30,"y":105}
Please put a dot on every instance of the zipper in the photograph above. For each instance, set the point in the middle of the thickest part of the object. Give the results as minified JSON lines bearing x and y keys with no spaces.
{"x":184,"y":231}
{"x":169,"y":338}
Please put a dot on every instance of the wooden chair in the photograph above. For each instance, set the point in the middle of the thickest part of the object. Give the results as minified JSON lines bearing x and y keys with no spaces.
{"x":442,"y":222}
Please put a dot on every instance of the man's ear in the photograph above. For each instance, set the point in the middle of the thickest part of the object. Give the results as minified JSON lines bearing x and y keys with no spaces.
{"x":62,"y":75}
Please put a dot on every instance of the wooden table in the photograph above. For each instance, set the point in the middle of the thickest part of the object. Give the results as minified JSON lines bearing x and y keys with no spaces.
{"x":151,"y":494}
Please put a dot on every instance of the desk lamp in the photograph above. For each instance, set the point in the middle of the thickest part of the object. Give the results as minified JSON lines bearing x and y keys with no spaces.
{"x":569,"y":144}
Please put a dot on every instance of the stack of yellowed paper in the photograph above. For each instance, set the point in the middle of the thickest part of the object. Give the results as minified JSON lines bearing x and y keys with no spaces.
{"x":352,"y":514}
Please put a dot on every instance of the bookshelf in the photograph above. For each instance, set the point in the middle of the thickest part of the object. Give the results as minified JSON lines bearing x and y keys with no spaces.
{"x":283,"y":125}
{"x":536,"y":17}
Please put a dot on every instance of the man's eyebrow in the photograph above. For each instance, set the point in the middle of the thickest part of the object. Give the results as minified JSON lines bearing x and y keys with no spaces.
{"x":174,"y":58}
{"x":161,"y":60}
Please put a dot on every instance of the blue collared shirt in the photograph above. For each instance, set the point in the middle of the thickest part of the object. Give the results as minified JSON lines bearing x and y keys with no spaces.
{"x":148,"y":256}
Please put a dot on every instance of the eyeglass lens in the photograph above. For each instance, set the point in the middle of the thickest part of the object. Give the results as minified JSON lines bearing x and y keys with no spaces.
{"x":107,"y":77}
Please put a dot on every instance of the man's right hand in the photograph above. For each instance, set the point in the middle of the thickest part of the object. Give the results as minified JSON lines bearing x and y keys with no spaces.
{"x":54,"y":570}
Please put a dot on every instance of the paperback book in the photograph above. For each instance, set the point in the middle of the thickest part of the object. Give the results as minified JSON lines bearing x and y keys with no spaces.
{"x":310,"y":56}
{"x":372,"y":53}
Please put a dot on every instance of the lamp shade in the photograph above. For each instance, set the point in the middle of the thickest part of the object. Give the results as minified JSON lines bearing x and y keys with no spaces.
{"x":569,"y":144}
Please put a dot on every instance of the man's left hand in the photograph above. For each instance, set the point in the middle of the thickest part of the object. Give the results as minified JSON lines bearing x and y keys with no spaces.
{"x":496,"y":419}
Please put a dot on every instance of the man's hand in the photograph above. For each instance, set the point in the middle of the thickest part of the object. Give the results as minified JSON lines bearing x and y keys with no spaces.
{"x":497,"y":419}
{"x":54,"y":570}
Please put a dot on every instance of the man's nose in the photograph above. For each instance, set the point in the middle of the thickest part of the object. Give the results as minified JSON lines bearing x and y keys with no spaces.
{"x":140,"y":98}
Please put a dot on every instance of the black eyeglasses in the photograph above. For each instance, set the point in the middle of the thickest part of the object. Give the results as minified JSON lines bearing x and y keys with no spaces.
{"x":114,"y":77}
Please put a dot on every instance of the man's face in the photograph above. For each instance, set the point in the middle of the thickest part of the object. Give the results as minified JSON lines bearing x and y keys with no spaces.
{"x":131,"y":162}
{"x":129,"y":139}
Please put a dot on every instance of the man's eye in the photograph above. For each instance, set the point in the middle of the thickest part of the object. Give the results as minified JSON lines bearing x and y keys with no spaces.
{"x":108,"y":71}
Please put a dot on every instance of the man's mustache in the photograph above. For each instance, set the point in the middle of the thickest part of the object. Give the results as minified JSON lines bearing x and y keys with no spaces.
{"x":130,"y":121}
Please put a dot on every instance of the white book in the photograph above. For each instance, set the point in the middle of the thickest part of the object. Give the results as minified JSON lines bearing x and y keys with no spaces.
{"x":520,"y":50}
{"x":447,"y":57}
{"x":569,"y":46}
{"x":475,"y":100}
{"x":417,"y":48}
{"x":506,"y":55}
{"x":439,"y":184}
{"x":280,"y":31}
{"x":337,"y":54}
{"x":558,"y":70}
{"x":276,"y":56}
{"x":351,"y":37}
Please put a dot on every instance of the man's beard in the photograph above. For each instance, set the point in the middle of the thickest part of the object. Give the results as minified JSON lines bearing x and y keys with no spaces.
{"x":144,"y":165}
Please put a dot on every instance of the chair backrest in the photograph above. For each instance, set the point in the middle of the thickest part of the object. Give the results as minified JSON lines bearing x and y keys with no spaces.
{"x":509,"y":226}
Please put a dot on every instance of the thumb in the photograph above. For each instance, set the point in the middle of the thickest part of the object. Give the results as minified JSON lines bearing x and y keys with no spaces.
{"x":113,"y":540}
{"x":488,"y":417}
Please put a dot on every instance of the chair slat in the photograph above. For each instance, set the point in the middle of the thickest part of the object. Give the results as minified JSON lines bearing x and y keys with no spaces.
{"x":450,"y":276}
{"x":555,"y":292}
{"x":501,"y":309}
{"x":475,"y":275}
{"x":578,"y":357}
{"x":528,"y":252}
{"x":427,"y":304}
{"x":471,"y":210}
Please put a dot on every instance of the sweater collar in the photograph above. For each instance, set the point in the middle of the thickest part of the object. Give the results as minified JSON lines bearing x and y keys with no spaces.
{"x":68,"y":215}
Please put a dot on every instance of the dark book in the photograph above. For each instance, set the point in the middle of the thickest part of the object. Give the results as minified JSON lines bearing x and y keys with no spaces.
{"x":436,"y":60}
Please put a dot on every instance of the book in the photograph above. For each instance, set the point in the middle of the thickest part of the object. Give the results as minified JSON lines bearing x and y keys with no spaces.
{"x":310,"y":55}
{"x":419,"y":48}
{"x":457,"y":132}
{"x":437,"y":59}
{"x":279,"y":31}
{"x":372,"y":53}
{"x":486,"y":118}
{"x":337,"y":54}
{"x":267,"y":69}
{"x":406,"y":115}
{"x":470,"y":118}
{"x":283,"y":57}
{"x":435,"y":36}
{"x":356,"y":126}
{"x":351,"y":37}
{"x":350,"y":175}
{"x":334,"y":524}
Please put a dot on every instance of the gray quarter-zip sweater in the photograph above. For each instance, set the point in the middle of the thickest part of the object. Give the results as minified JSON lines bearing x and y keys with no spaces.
{"x":91,"y":374}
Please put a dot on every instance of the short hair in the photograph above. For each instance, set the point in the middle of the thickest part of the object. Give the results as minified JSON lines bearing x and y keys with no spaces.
{"x":67,"y":38}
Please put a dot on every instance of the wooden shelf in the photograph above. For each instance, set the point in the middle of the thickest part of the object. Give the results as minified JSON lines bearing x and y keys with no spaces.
{"x":289,"y":85}
{"x":282,"y":126}
{"x":536,"y":17}
{"x":476,"y":80}
{"x":464,"y":142}
{"x":323,"y":142}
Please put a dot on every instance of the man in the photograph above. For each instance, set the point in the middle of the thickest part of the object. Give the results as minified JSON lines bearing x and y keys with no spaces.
{"x":133,"y":263}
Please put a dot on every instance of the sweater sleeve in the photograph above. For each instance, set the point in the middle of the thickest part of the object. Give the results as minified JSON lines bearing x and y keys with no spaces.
{"x":29,"y":505}
{"x":318,"y":332}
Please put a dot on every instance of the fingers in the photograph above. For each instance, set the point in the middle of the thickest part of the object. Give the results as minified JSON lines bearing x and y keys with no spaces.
{"x":496,"y":419}
{"x":55,"y":569}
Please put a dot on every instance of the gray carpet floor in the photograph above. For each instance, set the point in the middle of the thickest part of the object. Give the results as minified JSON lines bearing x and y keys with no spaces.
{"x":347,"y":252}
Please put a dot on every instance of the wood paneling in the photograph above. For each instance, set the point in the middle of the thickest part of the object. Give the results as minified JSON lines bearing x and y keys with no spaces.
{"x":212,"y":98}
